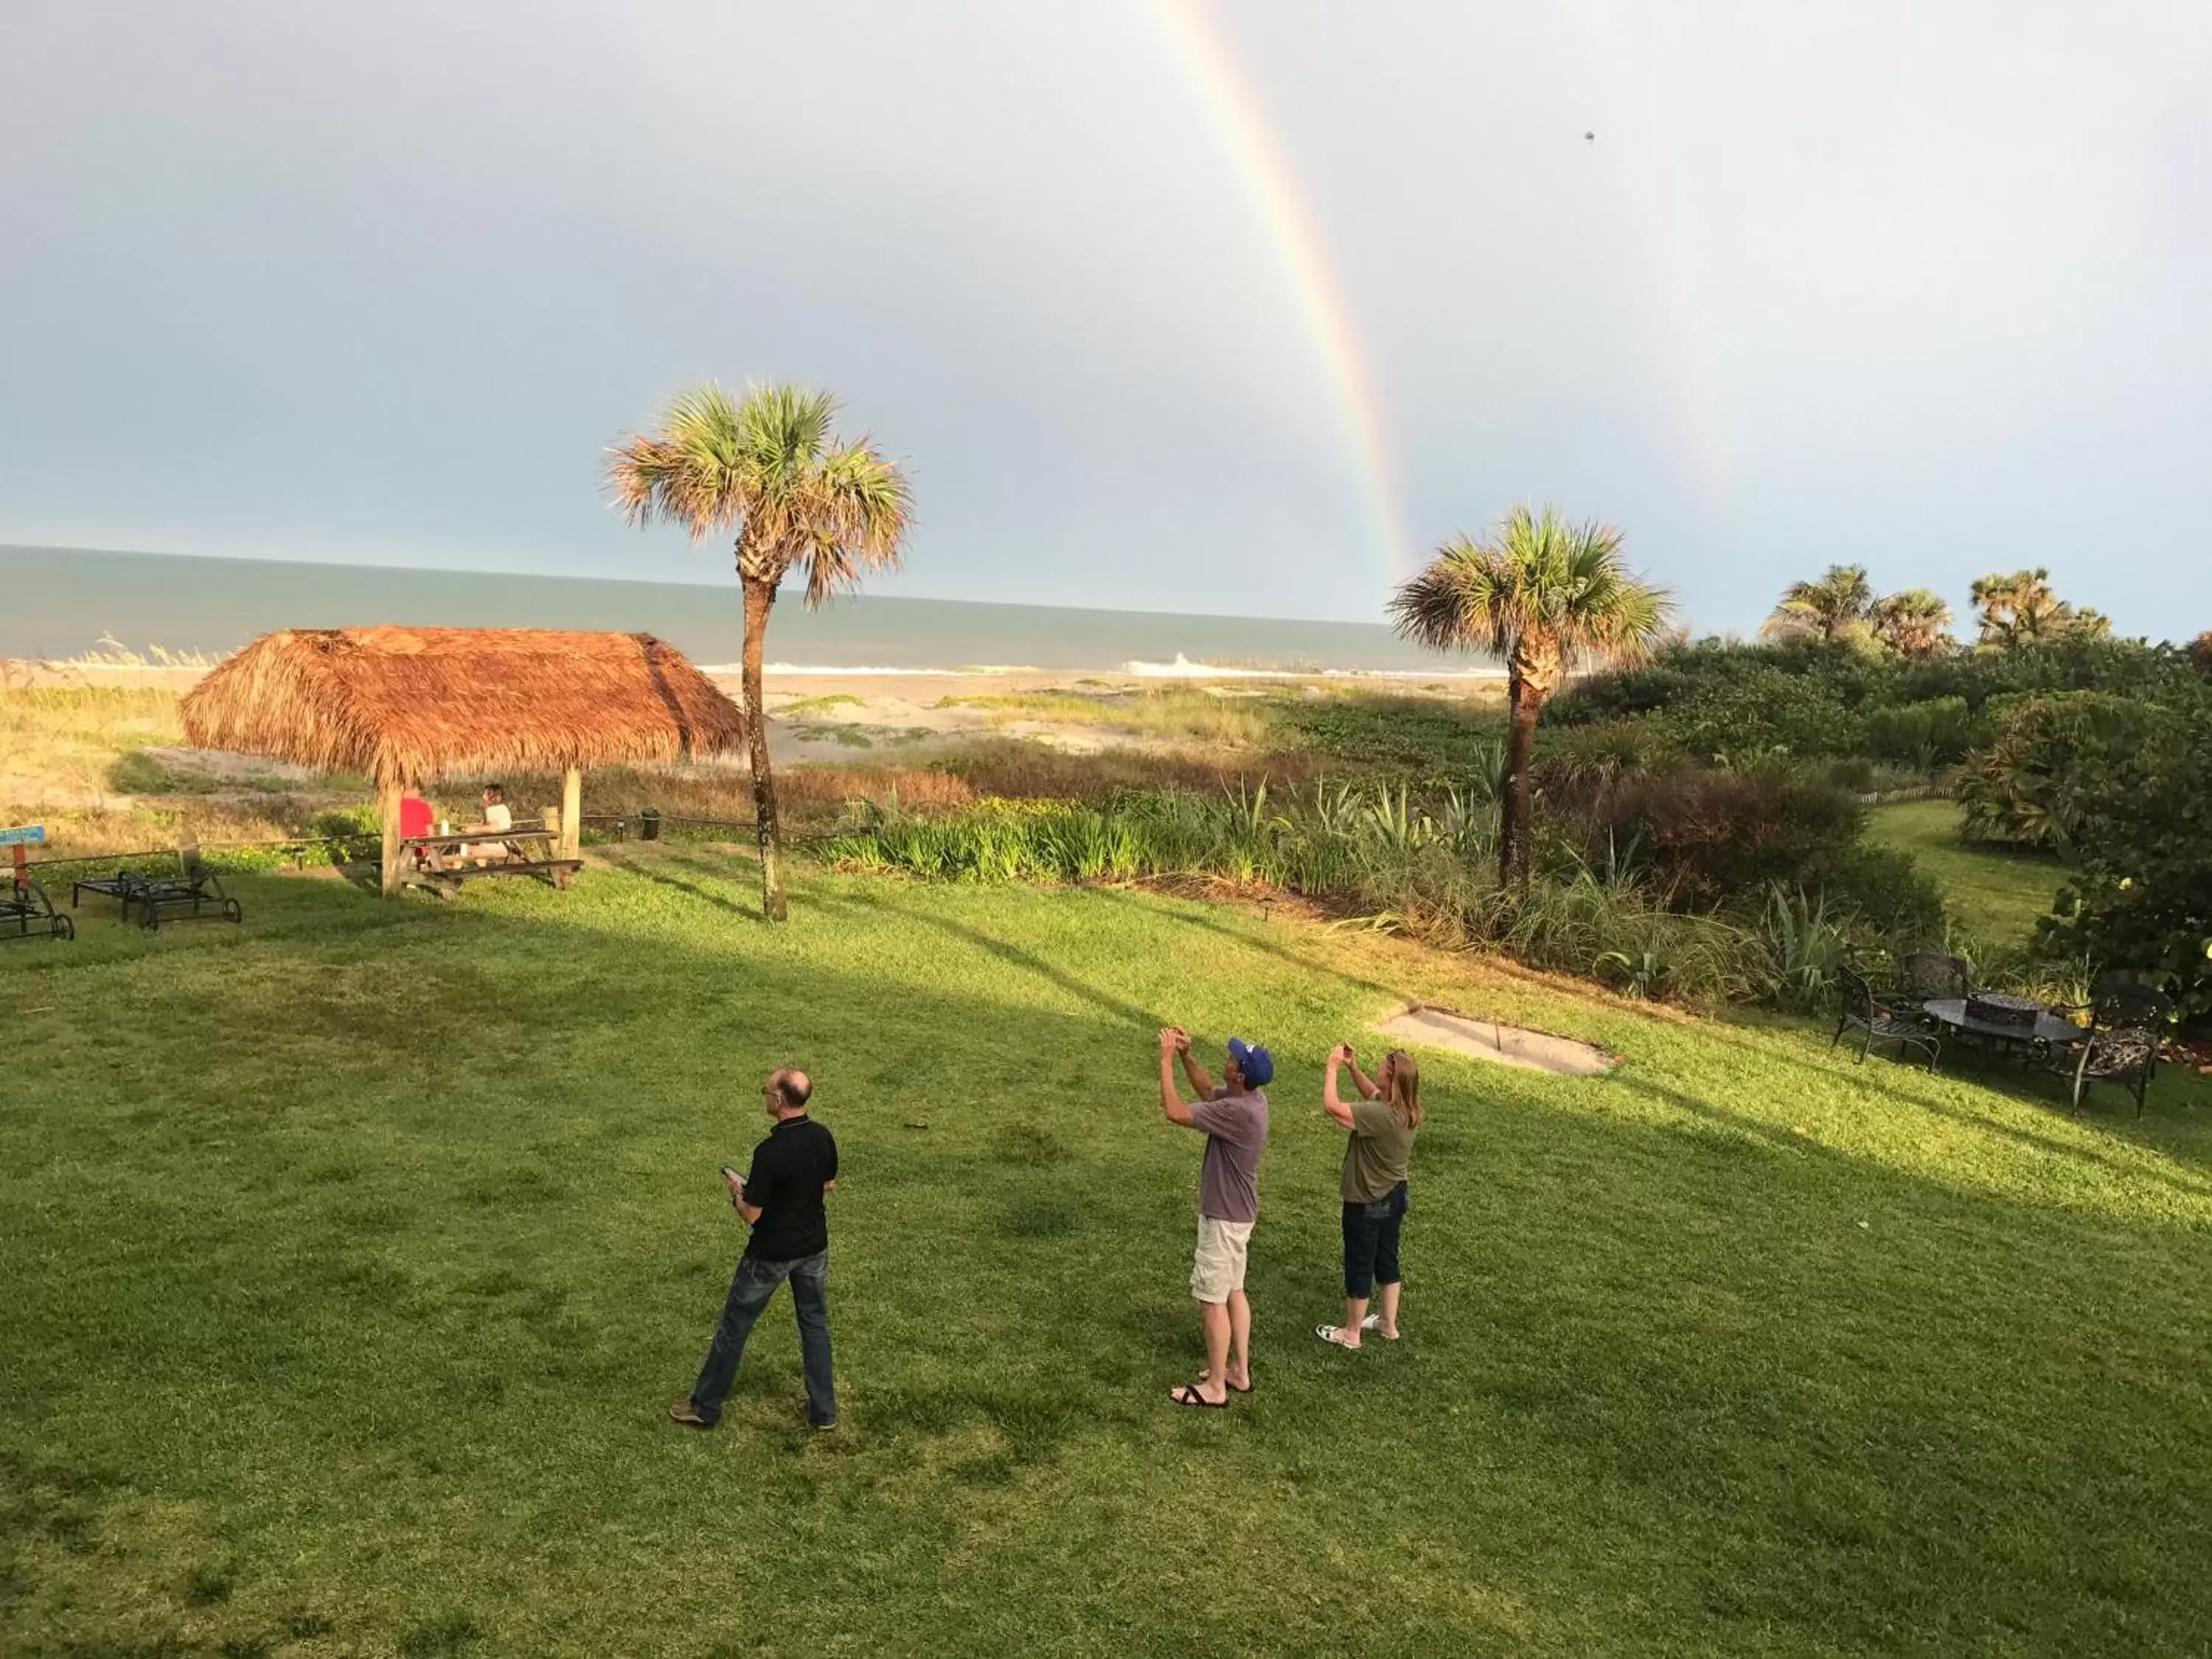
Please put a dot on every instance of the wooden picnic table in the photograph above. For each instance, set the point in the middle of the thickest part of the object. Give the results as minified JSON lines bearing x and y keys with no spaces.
{"x":443,"y":862}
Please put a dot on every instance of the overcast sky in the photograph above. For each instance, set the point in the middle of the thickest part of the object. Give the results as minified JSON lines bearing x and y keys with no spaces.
{"x":1229,"y":307}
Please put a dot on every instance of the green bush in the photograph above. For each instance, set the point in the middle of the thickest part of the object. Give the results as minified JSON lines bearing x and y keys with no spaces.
{"x":2122,"y":667}
{"x":1937,"y":733}
{"x":2018,"y":789}
{"x":1767,"y":714}
{"x":1711,"y":835}
{"x":2139,"y":820}
{"x":1573,"y":757}
{"x":1836,"y":675}
{"x":1884,"y":887}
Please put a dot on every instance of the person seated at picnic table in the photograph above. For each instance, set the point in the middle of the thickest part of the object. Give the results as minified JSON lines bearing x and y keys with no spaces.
{"x":497,"y":817}
{"x":415,"y":818}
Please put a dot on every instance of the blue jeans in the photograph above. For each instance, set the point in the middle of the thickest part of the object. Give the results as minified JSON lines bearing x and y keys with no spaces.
{"x":750,"y":1291}
{"x":1370,"y":1244}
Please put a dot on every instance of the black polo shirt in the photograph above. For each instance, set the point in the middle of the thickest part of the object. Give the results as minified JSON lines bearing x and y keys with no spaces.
{"x":789,"y":1169}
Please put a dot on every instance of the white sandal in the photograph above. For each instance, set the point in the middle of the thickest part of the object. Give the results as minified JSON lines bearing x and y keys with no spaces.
{"x":1334,"y":1334}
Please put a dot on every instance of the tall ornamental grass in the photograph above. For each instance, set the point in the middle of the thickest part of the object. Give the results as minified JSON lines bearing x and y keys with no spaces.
{"x":1400,"y":862}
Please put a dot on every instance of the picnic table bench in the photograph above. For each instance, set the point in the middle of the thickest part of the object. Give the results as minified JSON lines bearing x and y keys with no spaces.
{"x":442,"y":863}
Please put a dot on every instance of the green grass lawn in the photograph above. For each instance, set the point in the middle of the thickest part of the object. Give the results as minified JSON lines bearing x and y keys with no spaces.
{"x":1999,"y":895}
{"x":353,"y":1255}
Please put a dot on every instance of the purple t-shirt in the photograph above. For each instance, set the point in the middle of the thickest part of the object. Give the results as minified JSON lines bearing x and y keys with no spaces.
{"x":1235,"y":1134}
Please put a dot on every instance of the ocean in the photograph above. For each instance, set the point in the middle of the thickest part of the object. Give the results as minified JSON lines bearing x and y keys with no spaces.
{"x":60,"y":602}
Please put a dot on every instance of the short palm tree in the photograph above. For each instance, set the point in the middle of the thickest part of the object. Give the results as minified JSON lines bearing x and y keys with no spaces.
{"x":1838,"y":607}
{"x":1546,"y":596}
{"x":767,"y":470}
{"x":1914,"y":624}
{"x":2022,"y":610}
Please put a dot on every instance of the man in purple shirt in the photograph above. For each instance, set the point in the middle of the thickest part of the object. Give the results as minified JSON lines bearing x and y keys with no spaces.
{"x":1233,"y":1117}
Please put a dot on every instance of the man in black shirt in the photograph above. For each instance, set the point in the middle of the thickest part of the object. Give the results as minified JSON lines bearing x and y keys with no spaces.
{"x":781,"y":1200}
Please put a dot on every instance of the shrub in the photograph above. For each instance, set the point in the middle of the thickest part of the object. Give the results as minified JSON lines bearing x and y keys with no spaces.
{"x":1763,"y":715}
{"x":1434,"y":738}
{"x":2122,"y":667}
{"x":2016,"y":789}
{"x":2140,"y":827}
{"x":1884,"y":886}
{"x":1937,"y":733}
{"x":1576,"y":757}
{"x":1711,"y":835}
{"x":1802,"y":941}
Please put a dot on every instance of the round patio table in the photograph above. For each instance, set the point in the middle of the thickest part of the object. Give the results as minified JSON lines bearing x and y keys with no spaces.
{"x":2048,"y":1031}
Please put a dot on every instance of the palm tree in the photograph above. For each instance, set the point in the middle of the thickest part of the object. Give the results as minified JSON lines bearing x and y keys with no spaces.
{"x":1914,"y":624}
{"x":767,"y":470}
{"x":1837,"y":607}
{"x":1546,"y":596}
{"x":2022,"y":610}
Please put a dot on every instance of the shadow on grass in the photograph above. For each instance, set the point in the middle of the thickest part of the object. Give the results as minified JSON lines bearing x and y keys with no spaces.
{"x":657,"y":870}
{"x":1182,"y":913}
{"x":1876,"y":1077}
{"x":1706,"y":1402}
{"x":1014,"y":956}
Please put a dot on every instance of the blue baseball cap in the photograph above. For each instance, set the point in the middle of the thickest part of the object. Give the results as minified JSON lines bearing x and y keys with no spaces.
{"x":1257,"y":1063}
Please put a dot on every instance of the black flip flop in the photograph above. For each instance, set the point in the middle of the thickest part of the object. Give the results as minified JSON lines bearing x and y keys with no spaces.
{"x":1188,"y":1396}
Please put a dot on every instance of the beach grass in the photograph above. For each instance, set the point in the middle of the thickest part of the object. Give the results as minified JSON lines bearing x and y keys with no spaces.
{"x":801,"y":708}
{"x":1196,"y":713}
{"x":354,"y":1254}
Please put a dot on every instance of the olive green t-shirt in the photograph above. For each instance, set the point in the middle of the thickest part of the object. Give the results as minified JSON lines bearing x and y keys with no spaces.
{"x":1376,"y":1158}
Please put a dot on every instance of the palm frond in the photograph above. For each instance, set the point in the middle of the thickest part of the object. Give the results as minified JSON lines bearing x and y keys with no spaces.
{"x":1839,"y":606}
{"x":1540,"y":582}
{"x":768,"y":467}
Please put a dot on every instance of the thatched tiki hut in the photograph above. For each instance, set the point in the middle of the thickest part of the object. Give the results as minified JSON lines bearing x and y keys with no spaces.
{"x":406,"y":705}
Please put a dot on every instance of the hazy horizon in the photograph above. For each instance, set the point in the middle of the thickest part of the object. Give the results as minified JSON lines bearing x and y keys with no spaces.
{"x":1223,"y":309}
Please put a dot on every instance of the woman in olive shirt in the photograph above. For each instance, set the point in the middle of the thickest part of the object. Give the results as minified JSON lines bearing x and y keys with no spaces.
{"x":1382,"y":1120}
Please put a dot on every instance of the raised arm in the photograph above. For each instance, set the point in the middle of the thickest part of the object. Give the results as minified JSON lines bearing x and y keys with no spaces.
{"x":1171,"y":1103}
{"x":1331,"y":1101}
{"x":1201,"y":1081}
{"x":1368,"y":1087}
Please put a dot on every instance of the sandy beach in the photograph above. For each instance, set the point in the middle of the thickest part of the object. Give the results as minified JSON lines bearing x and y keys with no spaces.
{"x":841,"y":714}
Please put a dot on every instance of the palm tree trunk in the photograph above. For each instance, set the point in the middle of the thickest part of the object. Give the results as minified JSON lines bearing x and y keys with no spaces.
{"x":1515,"y":810}
{"x":760,"y":599}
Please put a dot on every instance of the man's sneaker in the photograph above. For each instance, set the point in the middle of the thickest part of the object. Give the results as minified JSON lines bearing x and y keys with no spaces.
{"x":690,"y":1415}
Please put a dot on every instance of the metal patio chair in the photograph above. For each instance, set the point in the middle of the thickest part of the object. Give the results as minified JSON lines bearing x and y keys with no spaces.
{"x":1878,"y":1021}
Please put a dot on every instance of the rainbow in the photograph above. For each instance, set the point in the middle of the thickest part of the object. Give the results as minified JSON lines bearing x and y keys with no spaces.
{"x":1271,"y":181}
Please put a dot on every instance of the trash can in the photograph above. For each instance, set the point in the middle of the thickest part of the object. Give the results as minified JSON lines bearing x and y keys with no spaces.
{"x":648,"y":825}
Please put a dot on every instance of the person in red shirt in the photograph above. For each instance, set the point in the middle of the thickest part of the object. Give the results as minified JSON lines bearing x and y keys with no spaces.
{"x":415,"y":817}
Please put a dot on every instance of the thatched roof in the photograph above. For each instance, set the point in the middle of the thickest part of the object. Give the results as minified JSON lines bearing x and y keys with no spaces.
{"x":410,"y":704}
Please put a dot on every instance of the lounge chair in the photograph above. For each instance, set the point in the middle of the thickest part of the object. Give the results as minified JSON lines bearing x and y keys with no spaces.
{"x":26,"y":912}
{"x":194,"y":894}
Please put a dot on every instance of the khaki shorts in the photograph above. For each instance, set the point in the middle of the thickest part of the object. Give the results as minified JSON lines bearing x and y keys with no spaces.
{"x":1219,"y":1267}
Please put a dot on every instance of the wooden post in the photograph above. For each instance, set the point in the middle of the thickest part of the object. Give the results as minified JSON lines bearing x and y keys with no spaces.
{"x":572,"y":812}
{"x":387,"y":796}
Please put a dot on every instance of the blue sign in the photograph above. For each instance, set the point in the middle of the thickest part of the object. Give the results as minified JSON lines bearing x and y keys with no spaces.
{"x":17,"y":838}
